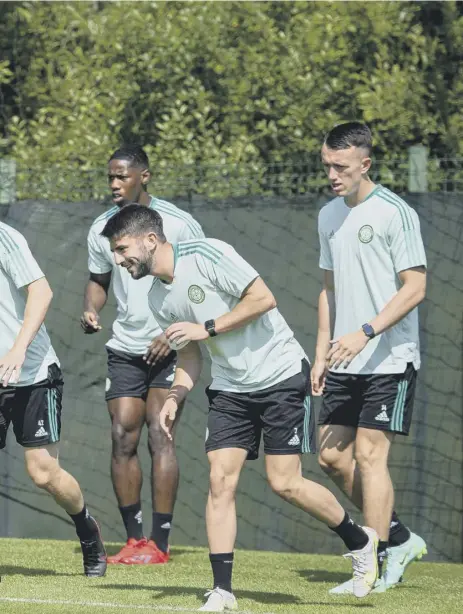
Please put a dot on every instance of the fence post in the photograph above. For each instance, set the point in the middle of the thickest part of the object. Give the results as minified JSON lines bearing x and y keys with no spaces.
{"x":417,"y":169}
{"x":7,"y":181}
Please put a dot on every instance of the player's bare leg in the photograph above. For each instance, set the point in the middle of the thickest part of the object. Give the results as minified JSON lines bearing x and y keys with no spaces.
{"x":164,"y":483}
{"x":371,"y":454}
{"x":285,"y":477}
{"x":164,"y":468}
{"x":45,"y":471}
{"x":128,"y":416}
{"x":337,"y":459}
{"x":225,"y":469}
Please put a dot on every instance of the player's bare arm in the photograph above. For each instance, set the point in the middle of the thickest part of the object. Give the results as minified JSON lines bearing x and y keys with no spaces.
{"x":187,"y":372}
{"x":96,"y":295}
{"x":409,"y":296}
{"x":326,"y":316}
{"x":39,"y":297}
{"x":256,"y":300}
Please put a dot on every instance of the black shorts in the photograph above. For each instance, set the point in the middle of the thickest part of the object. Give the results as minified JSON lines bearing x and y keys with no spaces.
{"x":131,"y":376}
{"x":382,"y":402}
{"x":35,"y":411}
{"x":283,"y":412}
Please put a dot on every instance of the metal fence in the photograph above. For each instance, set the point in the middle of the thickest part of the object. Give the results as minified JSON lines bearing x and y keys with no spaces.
{"x":414,"y":172}
{"x":278,"y":236}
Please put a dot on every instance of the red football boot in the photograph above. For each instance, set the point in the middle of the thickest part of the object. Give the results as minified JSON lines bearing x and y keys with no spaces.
{"x":131,"y":547}
{"x":149,"y":554}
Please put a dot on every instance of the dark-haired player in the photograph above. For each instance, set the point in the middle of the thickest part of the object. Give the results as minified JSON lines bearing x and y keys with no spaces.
{"x":205,"y":292}
{"x":31,"y":388}
{"x":140,"y":363}
{"x":375,"y":276}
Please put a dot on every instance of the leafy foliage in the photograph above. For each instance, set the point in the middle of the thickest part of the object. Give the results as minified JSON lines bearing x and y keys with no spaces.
{"x":225,"y":82}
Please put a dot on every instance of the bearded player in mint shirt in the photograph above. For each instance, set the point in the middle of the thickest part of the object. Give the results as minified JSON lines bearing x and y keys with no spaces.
{"x":205,"y":292}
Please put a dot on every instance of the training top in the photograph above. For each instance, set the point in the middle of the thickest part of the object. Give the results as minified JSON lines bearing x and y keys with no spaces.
{"x":18,"y":268}
{"x":366,"y":247}
{"x":135,"y":326}
{"x":209,"y":281}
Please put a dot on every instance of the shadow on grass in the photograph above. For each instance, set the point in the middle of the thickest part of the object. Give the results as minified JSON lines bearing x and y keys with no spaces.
{"x":114,"y":549}
{"x":323,"y":575}
{"x":264,"y":598}
{"x":177,"y":591}
{"x":16,"y":570}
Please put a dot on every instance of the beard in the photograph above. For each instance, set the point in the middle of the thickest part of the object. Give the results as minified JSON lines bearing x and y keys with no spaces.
{"x":143,"y":265}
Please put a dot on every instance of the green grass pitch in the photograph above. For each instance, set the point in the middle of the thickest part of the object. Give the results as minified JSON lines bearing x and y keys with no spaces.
{"x":45,"y":577}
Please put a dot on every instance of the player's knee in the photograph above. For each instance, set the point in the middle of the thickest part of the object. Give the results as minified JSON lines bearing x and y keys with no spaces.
{"x":285,"y":486}
{"x":222,"y":484}
{"x":124,"y":440}
{"x":331,"y":462}
{"x":158,"y":442}
{"x":43,"y":472}
{"x":369,"y":457}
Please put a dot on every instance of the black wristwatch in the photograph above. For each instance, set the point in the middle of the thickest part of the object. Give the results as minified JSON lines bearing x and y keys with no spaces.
{"x":209,"y":325}
{"x":369,"y":331}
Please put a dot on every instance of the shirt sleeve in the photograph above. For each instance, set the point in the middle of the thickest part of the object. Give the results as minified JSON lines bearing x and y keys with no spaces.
{"x":326,"y":261}
{"x":17,"y":260}
{"x":97,"y":259}
{"x":191,"y":230}
{"x":228,"y":271}
{"x":404,"y":239}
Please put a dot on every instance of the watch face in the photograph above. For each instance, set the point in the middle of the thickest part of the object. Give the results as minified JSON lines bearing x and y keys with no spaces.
{"x":209,"y":325}
{"x":368,"y":330}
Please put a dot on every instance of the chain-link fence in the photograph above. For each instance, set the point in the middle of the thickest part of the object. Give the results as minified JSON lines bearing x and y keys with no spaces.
{"x":414,"y":172}
{"x":275,"y":230}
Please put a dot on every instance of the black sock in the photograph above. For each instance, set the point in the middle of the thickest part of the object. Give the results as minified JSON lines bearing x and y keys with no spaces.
{"x":222,"y":567}
{"x":86,"y":526}
{"x":161,"y":528}
{"x":132,"y":517}
{"x":398,"y":532}
{"x":381,"y":556}
{"x":351,"y":534}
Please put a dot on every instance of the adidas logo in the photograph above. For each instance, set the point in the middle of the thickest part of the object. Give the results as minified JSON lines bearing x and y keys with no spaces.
{"x":139,"y":517}
{"x":41,"y":432}
{"x":143,"y":558}
{"x":170,"y":378}
{"x":382,"y":416}
{"x":294,"y":441}
{"x":166,"y":525}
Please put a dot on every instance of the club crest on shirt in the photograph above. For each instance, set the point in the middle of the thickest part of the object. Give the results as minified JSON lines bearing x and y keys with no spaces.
{"x":196,"y":294}
{"x":366,"y":233}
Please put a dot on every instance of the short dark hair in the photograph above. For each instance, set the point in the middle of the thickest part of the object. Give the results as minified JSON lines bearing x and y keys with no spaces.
{"x":134,"y":220}
{"x":350,"y":134}
{"x":134,"y":154}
